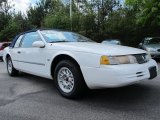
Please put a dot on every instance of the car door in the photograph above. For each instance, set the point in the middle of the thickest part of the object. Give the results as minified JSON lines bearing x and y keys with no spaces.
{"x":32,"y":59}
{"x":14,"y":53}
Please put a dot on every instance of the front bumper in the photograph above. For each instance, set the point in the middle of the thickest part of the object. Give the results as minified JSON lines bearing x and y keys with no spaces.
{"x":108,"y":76}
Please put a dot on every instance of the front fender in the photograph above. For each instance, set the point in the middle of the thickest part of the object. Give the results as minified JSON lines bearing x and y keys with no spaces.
{"x":83,"y":59}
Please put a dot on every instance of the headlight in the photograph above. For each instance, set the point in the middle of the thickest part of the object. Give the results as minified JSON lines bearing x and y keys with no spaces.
{"x":115,"y":60}
{"x":151,"y":49}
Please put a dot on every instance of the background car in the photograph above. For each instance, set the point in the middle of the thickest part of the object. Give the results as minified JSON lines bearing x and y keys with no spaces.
{"x":2,"y":46}
{"x":152,"y":45}
{"x":112,"y":41}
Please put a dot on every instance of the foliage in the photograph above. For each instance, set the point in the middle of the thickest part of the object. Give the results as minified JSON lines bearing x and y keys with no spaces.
{"x":58,"y":20}
{"x":147,"y":15}
{"x":150,"y":13}
{"x":97,"y":19}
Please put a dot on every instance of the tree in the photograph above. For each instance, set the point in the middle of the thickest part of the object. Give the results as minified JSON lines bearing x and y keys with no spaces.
{"x":37,"y":13}
{"x":16,"y":24}
{"x":58,"y":20}
{"x":147,"y":14}
{"x":150,"y":13}
{"x":5,"y":15}
{"x":5,"y":7}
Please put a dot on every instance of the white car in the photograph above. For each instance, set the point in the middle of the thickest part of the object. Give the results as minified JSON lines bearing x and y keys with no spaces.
{"x":76,"y":62}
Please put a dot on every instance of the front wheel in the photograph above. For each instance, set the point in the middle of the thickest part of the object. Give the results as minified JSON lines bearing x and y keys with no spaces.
{"x":11,"y":70}
{"x":68,"y":79}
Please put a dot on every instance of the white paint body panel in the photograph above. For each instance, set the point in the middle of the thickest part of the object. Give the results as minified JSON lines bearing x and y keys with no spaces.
{"x":87,"y":56}
{"x":116,"y":75}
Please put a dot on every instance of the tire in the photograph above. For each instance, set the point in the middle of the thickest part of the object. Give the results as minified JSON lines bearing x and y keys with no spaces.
{"x":10,"y":69}
{"x":69,"y":80}
{"x":1,"y":59}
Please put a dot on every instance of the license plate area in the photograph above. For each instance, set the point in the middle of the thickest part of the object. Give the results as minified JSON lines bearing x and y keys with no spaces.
{"x":153,"y":72}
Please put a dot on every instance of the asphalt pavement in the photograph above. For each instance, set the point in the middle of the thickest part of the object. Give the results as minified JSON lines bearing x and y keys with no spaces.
{"x":28,"y":97}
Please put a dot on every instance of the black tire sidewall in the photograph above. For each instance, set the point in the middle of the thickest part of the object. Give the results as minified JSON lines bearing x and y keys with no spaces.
{"x":14,"y":72}
{"x":76,"y":91}
{"x":9,"y":59}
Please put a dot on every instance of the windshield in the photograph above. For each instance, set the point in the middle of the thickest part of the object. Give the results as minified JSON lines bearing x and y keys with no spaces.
{"x":152,"y":41}
{"x":52,"y":36}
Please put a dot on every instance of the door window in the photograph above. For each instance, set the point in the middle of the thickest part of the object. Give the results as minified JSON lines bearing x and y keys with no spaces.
{"x":29,"y":38}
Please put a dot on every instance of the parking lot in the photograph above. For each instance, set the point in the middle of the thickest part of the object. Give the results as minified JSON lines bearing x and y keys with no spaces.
{"x":28,"y":97}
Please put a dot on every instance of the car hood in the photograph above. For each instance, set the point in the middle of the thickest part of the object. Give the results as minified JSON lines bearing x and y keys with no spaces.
{"x":96,"y":48}
{"x":157,"y":46}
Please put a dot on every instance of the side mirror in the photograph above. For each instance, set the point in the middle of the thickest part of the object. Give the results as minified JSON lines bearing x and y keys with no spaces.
{"x":38,"y":44}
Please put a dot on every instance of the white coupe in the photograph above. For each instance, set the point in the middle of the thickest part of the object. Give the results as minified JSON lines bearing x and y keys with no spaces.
{"x":76,"y":62}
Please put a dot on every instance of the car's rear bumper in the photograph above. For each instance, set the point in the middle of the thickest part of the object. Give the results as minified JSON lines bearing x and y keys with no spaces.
{"x":116,"y":75}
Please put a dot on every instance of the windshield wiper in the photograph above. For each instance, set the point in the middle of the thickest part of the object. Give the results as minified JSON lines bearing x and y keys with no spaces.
{"x":59,"y":41}
{"x":83,"y":41}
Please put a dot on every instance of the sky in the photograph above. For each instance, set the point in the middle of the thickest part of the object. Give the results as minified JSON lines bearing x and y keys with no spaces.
{"x":22,"y":5}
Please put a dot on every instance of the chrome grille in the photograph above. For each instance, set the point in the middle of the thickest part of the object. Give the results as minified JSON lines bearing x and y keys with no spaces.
{"x":141,"y":58}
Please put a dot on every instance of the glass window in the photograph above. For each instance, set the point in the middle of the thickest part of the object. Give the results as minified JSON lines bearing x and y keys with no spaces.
{"x":58,"y":36}
{"x":152,"y":41}
{"x":29,"y":38}
{"x":17,"y":44}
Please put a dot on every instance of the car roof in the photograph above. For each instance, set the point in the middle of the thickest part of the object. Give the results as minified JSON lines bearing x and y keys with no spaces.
{"x":35,"y":30}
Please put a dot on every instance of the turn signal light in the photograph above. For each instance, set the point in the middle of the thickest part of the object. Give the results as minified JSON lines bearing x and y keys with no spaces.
{"x":104,"y":60}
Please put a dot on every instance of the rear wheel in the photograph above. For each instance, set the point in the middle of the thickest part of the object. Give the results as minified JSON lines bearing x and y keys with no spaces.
{"x":11,"y":70}
{"x":68,"y":79}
